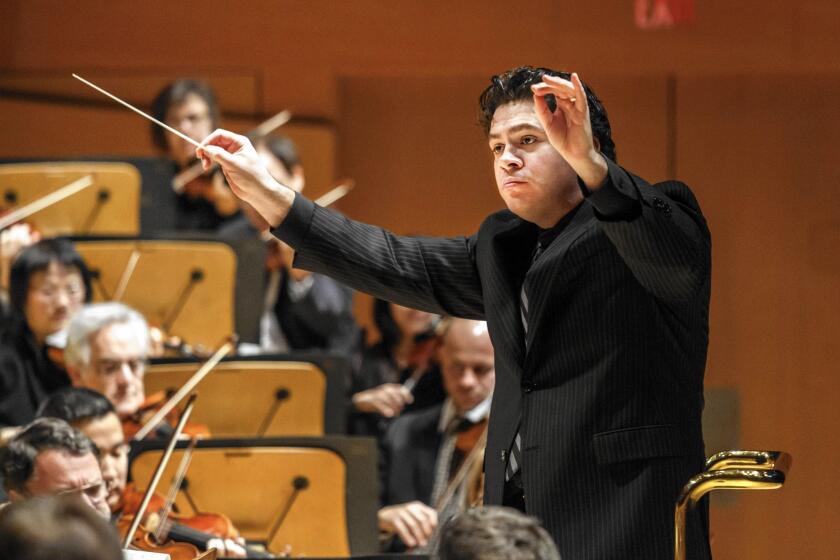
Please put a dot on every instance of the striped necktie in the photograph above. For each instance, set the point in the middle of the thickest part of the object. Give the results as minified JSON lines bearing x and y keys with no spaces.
{"x":515,"y":457}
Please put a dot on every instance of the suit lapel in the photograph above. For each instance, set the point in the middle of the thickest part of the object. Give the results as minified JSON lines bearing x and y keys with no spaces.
{"x":511,"y":256}
{"x":547,"y":270}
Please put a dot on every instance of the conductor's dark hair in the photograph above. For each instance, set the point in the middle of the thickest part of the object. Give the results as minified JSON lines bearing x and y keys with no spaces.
{"x":39,"y":257}
{"x":175,"y":94}
{"x":515,"y":85}
{"x":283,"y":149}
{"x":19,"y":456}
{"x":384,"y":321}
{"x":495,"y":533}
{"x":52,"y":527}
{"x":75,"y":405}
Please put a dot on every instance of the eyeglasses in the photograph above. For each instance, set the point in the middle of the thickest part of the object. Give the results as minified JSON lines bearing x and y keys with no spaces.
{"x":112,"y":367}
{"x":73,"y":291}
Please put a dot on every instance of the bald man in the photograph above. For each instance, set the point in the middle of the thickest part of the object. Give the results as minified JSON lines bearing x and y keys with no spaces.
{"x":419,"y":457}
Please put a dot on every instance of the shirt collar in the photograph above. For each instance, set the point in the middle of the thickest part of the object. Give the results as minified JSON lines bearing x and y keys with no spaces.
{"x":476,"y":414}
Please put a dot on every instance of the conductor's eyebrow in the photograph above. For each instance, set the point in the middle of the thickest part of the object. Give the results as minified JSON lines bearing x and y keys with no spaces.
{"x":513,"y":129}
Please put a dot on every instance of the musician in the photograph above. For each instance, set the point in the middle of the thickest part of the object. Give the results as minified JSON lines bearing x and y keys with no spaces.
{"x":420,"y":452}
{"x":303,"y":311}
{"x":95,"y":416}
{"x":406,"y":349}
{"x":595,"y":285}
{"x":495,"y":533}
{"x":56,"y":527}
{"x":49,"y":457}
{"x":107,"y":351}
{"x":188,"y":105}
{"x":48,"y":283}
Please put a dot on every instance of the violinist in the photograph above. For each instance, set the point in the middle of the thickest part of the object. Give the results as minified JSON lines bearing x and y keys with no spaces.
{"x":406,"y":350}
{"x":95,"y":416}
{"x":423,"y":450}
{"x":48,"y":283}
{"x":304,"y":311}
{"x":206,"y":203}
{"x":49,"y":457}
{"x":107,"y":351}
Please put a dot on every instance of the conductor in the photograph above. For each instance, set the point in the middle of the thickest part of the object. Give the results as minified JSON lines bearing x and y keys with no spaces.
{"x":595,"y":287}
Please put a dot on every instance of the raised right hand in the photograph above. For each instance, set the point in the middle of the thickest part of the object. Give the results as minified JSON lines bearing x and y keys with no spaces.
{"x":248,"y":178}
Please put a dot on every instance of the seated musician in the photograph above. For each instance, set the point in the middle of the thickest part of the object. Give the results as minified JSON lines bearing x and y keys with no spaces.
{"x":423,"y":450}
{"x":95,"y":416}
{"x":303,"y":310}
{"x":107,"y":351}
{"x":49,"y":457}
{"x":48,"y":283}
{"x":380,"y":389}
{"x":190,"y":106}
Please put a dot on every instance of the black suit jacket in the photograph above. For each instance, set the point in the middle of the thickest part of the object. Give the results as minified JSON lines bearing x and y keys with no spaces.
{"x":407,"y":457}
{"x":610,"y":393}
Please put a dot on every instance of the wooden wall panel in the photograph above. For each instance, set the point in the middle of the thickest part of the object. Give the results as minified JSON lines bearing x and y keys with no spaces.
{"x":759,"y":154}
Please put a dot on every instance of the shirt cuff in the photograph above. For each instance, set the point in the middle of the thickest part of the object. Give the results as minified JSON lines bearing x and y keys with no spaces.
{"x":295,"y":226}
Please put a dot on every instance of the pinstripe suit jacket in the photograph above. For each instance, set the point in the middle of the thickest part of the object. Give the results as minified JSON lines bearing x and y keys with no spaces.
{"x":609,"y":394}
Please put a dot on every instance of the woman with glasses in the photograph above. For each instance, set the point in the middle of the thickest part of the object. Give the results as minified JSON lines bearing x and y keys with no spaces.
{"x":48,"y":283}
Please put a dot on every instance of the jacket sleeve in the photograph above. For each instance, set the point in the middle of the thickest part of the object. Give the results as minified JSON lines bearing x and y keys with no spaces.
{"x":658,"y":230}
{"x":432,"y":274}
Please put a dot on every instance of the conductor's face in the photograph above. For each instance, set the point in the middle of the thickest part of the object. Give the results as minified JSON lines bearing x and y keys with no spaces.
{"x":534,"y":180}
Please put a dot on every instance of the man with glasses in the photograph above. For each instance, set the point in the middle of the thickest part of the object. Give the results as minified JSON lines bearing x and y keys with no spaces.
{"x":49,"y":457}
{"x":107,"y":350}
{"x":190,"y":106}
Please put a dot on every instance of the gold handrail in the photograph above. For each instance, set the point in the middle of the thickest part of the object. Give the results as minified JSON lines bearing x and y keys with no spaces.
{"x":733,"y":470}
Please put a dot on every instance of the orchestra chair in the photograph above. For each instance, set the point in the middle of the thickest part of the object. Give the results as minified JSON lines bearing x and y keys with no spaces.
{"x":729,"y":470}
{"x":110,"y":206}
{"x":185,"y":288}
{"x":297,"y":394}
{"x":318,"y":495}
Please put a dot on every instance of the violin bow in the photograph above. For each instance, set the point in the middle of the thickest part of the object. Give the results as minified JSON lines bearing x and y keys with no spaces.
{"x":164,"y":460}
{"x":45,"y":201}
{"x":172,"y":494}
{"x":188,"y":386}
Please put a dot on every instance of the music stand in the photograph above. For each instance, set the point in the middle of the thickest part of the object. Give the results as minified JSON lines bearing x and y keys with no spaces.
{"x":318,"y":495}
{"x":272,"y":398}
{"x":336,"y":367}
{"x":184,"y":287}
{"x":110,"y":206}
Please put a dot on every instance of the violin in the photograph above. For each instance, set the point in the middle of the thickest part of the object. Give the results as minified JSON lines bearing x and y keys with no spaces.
{"x":138,"y":537}
{"x":143,"y":540}
{"x":153,"y":403}
{"x":213,"y":188}
{"x":166,"y":523}
{"x":211,"y":524}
